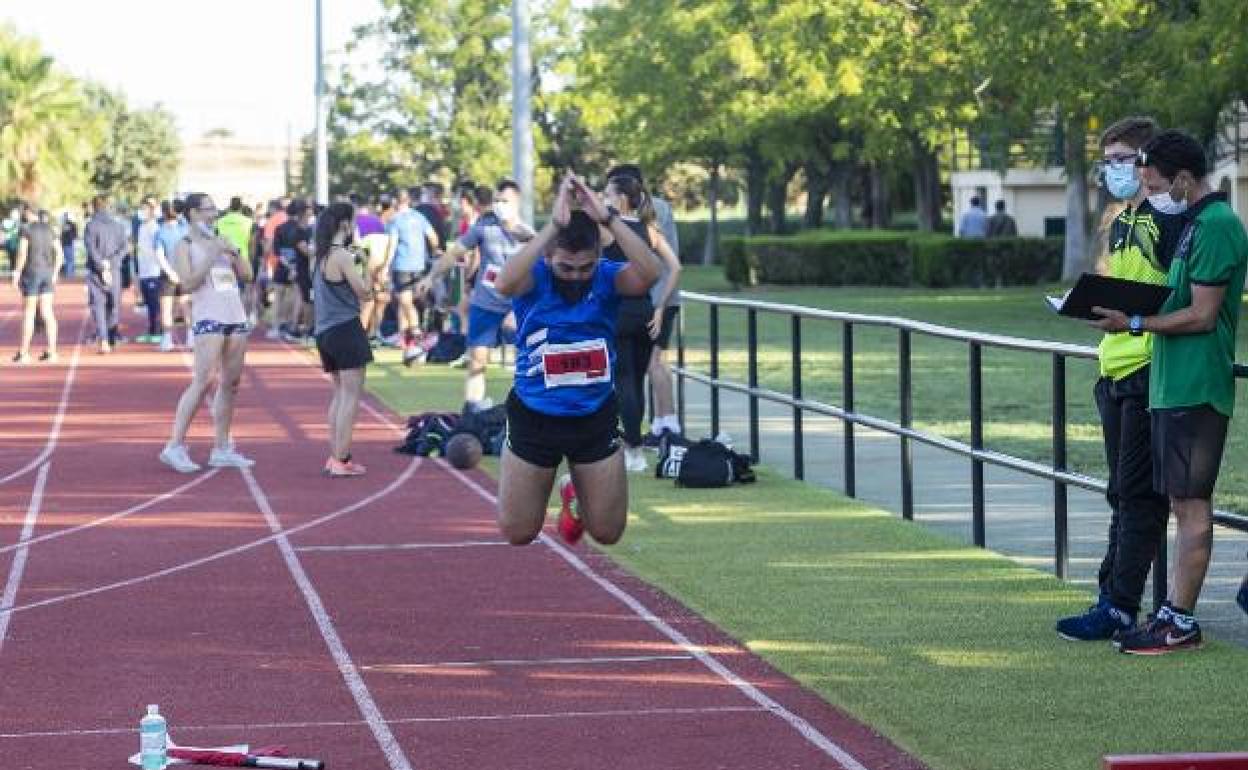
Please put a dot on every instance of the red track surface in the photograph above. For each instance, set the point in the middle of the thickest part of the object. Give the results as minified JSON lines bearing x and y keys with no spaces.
{"x":471,"y":655}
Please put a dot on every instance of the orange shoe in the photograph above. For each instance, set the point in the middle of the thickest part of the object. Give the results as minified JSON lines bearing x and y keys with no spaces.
{"x":570,"y":525}
{"x":335,"y":468}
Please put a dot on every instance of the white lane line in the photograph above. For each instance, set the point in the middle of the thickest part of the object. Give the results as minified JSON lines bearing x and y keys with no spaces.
{"x":656,"y":712}
{"x":54,"y":434}
{"x":355,"y":683}
{"x":400,"y":546}
{"x":534,"y":662}
{"x":803,"y":727}
{"x":18,"y":566}
{"x":217,"y":556}
{"x":118,"y":515}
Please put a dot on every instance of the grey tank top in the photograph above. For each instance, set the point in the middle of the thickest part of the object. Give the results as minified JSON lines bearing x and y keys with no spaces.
{"x":39,"y":254}
{"x":335,"y":301}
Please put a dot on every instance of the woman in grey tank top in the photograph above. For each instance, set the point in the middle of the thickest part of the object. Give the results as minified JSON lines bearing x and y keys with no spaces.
{"x":337,"y":292}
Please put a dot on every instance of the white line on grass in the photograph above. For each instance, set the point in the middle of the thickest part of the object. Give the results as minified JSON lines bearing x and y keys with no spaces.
{"x":401,"y":546}
{"x":656,"y":712}
{"x":537,"y":662}
{"x":19,"y":559}
{"x":806,"y":729}
{"x":355,"y":683}
{"x":54,"y":434}
{"x":217,"y":556}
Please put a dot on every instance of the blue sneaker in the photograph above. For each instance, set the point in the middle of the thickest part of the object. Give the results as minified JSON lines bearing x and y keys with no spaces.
{"x":1100,"y":622}
{"x":1242,"y":599}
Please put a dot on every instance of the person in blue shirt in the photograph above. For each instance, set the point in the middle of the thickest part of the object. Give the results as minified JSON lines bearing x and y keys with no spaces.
{"x":563,"y":402}
{"x":498,"y":236}
{"x":414,"y":240}
{"x":172,"y":229}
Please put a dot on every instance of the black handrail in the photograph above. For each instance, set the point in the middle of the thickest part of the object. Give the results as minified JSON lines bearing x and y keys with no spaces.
{"x":1061,"y":477}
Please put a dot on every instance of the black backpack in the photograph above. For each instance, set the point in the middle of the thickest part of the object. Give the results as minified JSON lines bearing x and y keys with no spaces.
{"x":672,"y":448}
{"x":488,"y":425}
{"x":449,"y":347}
{"x":428,"y":433}
{"x":708,"y":464}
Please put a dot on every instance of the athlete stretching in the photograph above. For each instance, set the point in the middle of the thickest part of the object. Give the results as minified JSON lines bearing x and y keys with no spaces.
{"x":563,"y":403}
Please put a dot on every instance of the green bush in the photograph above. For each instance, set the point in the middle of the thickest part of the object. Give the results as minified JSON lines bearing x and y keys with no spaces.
{"x":890,"y":258}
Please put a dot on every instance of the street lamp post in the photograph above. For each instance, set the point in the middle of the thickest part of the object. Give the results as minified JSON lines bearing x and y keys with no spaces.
{"x":521,"y":105}
{"x":322,"y":141}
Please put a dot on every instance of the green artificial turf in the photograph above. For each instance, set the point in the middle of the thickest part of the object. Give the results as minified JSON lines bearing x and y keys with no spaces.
{"x":946,"y":649}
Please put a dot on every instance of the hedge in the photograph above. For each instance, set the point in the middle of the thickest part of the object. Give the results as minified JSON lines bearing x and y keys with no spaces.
{"x":885,"y":258}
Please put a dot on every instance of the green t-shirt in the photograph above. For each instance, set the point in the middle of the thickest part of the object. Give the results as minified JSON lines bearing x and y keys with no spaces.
{"x":236,"y":228}
{"x":1141,"y":244}
{"x":1196,"y":369}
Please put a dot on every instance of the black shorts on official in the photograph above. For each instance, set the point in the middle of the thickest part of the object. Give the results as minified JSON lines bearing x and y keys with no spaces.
{"x":344,"y":346}
{"x":1187,"y":450}
{"x":32,"y":285}
{"x":404,"y":280}
{"x":545,"y":440}
{"x":664,"y":340}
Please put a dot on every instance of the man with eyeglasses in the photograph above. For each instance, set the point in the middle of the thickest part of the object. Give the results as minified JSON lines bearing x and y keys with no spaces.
{"x":1192,"y":389}
{"x":1141,"y":242}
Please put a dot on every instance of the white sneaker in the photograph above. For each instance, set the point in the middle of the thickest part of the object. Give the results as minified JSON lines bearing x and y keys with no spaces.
{"x":229,"y":458}
{"x":166,"y":343}
{"x":272,"y":333}
{"x":634,"y":460}
{"x":175,"y":457}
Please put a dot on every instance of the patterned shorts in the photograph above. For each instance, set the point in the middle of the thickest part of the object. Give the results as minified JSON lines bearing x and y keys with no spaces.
{"x":216,"y":327}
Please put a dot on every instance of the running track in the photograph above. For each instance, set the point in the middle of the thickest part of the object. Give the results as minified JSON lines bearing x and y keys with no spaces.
{"x":375,"y":623}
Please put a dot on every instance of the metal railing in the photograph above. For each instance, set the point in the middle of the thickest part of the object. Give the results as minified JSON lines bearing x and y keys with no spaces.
{"x":1058,"y":473}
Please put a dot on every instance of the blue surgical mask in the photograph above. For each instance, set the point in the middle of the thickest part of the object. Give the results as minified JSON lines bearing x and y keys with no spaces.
{"x":1121,"y":180}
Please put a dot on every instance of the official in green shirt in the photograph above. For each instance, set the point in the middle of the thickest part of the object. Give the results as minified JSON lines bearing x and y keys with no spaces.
{"x":1141,"y":244}
{"x":1192,"y":392}
{"x":235,"y":227}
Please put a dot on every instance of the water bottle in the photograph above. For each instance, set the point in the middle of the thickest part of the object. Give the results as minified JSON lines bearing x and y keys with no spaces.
{"x":153,"y":740}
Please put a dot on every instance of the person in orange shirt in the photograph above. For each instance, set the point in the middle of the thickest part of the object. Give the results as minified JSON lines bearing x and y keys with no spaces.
{"x":276,"y":218}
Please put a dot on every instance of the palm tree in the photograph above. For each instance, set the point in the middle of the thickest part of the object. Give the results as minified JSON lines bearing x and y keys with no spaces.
{"x":46,"y":132}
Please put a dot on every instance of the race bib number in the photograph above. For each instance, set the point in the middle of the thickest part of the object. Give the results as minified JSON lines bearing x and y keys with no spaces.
{"x":488,"y":276}
{"x":223,"y":279}
{"x":577,"y":363}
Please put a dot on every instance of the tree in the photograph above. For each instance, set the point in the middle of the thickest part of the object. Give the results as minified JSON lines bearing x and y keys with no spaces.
{"x":47,"y":134}
{"x":140,"y":152}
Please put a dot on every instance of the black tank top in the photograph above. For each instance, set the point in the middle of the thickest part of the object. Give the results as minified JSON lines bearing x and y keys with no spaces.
{"x":615,"y":253}
{"x":40,"y":255}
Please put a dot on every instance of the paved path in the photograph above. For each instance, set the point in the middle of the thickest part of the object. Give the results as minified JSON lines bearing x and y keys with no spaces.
{"x":1019,"y":507}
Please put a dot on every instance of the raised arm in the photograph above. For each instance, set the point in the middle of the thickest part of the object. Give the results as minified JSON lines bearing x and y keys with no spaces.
{"x":643,"y":266}
{"x":191,"y":276}
{"x":516,"y":277}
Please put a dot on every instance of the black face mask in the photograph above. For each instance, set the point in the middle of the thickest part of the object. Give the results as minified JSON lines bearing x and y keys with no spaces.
{"x":572,"y":292}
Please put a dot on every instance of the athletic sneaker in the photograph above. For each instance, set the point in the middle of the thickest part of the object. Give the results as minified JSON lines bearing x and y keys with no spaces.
{"x":21,"y":358}
{"x":176,"y":457}
{"x":1100,"y":622}
{"x":570,"y":525}
{"x":1162,"y":636}
{"x":272,"y":334}
{"x":1242,"y":599}
{"x":49,"y":356}
{"x":166,"y":343}
{"x":414,"y":354}
{"x":634,"y":460}
{"x":229,"y":458}
{"x":653,"y":441}
{"x":335,"y":468}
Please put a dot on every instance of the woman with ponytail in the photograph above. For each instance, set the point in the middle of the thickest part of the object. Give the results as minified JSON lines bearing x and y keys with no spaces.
{"x":339,"y":290}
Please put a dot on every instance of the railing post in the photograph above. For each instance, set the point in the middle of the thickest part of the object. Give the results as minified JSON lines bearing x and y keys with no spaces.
{"x":904,"y":395}
{"x":1061,"y":555}
{"x":799,"y":453}
{"x":978,"y":533}
{"x":680,"y":365}
{"x":751,"y":317}
{"x":847,"y":399}
{"x":714,"y":331}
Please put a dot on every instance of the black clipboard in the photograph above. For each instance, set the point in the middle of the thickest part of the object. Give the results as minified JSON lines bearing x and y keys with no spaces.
{"x":1092,"y":290}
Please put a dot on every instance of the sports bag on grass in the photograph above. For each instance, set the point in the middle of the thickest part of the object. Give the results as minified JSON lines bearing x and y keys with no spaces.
{"x":708,"y":464}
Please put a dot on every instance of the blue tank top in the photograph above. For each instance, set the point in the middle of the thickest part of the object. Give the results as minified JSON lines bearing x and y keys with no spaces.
{"x":564,"y":352}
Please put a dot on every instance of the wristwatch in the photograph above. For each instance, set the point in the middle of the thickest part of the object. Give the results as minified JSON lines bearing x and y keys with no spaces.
{"x":1135,"y":325}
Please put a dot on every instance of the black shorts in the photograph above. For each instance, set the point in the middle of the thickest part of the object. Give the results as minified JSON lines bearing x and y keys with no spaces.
{"x":344,"y":346}
{"x":664,"y":340}
{"x":1187,"y":450}
{"x":34,"y":284}
{"x":544,"y":440}
{"x":404,"y":280}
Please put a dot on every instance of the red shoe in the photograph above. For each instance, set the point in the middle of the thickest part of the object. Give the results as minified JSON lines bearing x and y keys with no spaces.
{"x":570,"y":526}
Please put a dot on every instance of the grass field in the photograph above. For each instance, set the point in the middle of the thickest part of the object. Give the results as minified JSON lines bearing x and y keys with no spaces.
{"x":1017,"y":386}
{"x":946,"y":649}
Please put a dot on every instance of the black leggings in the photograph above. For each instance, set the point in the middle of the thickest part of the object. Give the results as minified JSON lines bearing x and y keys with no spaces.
{"x":151,"y":302}
{"x":632,"y":358}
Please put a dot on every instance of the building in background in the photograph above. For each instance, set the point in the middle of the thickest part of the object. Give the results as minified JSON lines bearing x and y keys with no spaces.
{"x":223,"y":167}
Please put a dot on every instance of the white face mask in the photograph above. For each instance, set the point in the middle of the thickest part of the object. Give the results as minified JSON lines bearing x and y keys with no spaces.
{"x":1162,"y":203}
{"x":505,"y":211}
